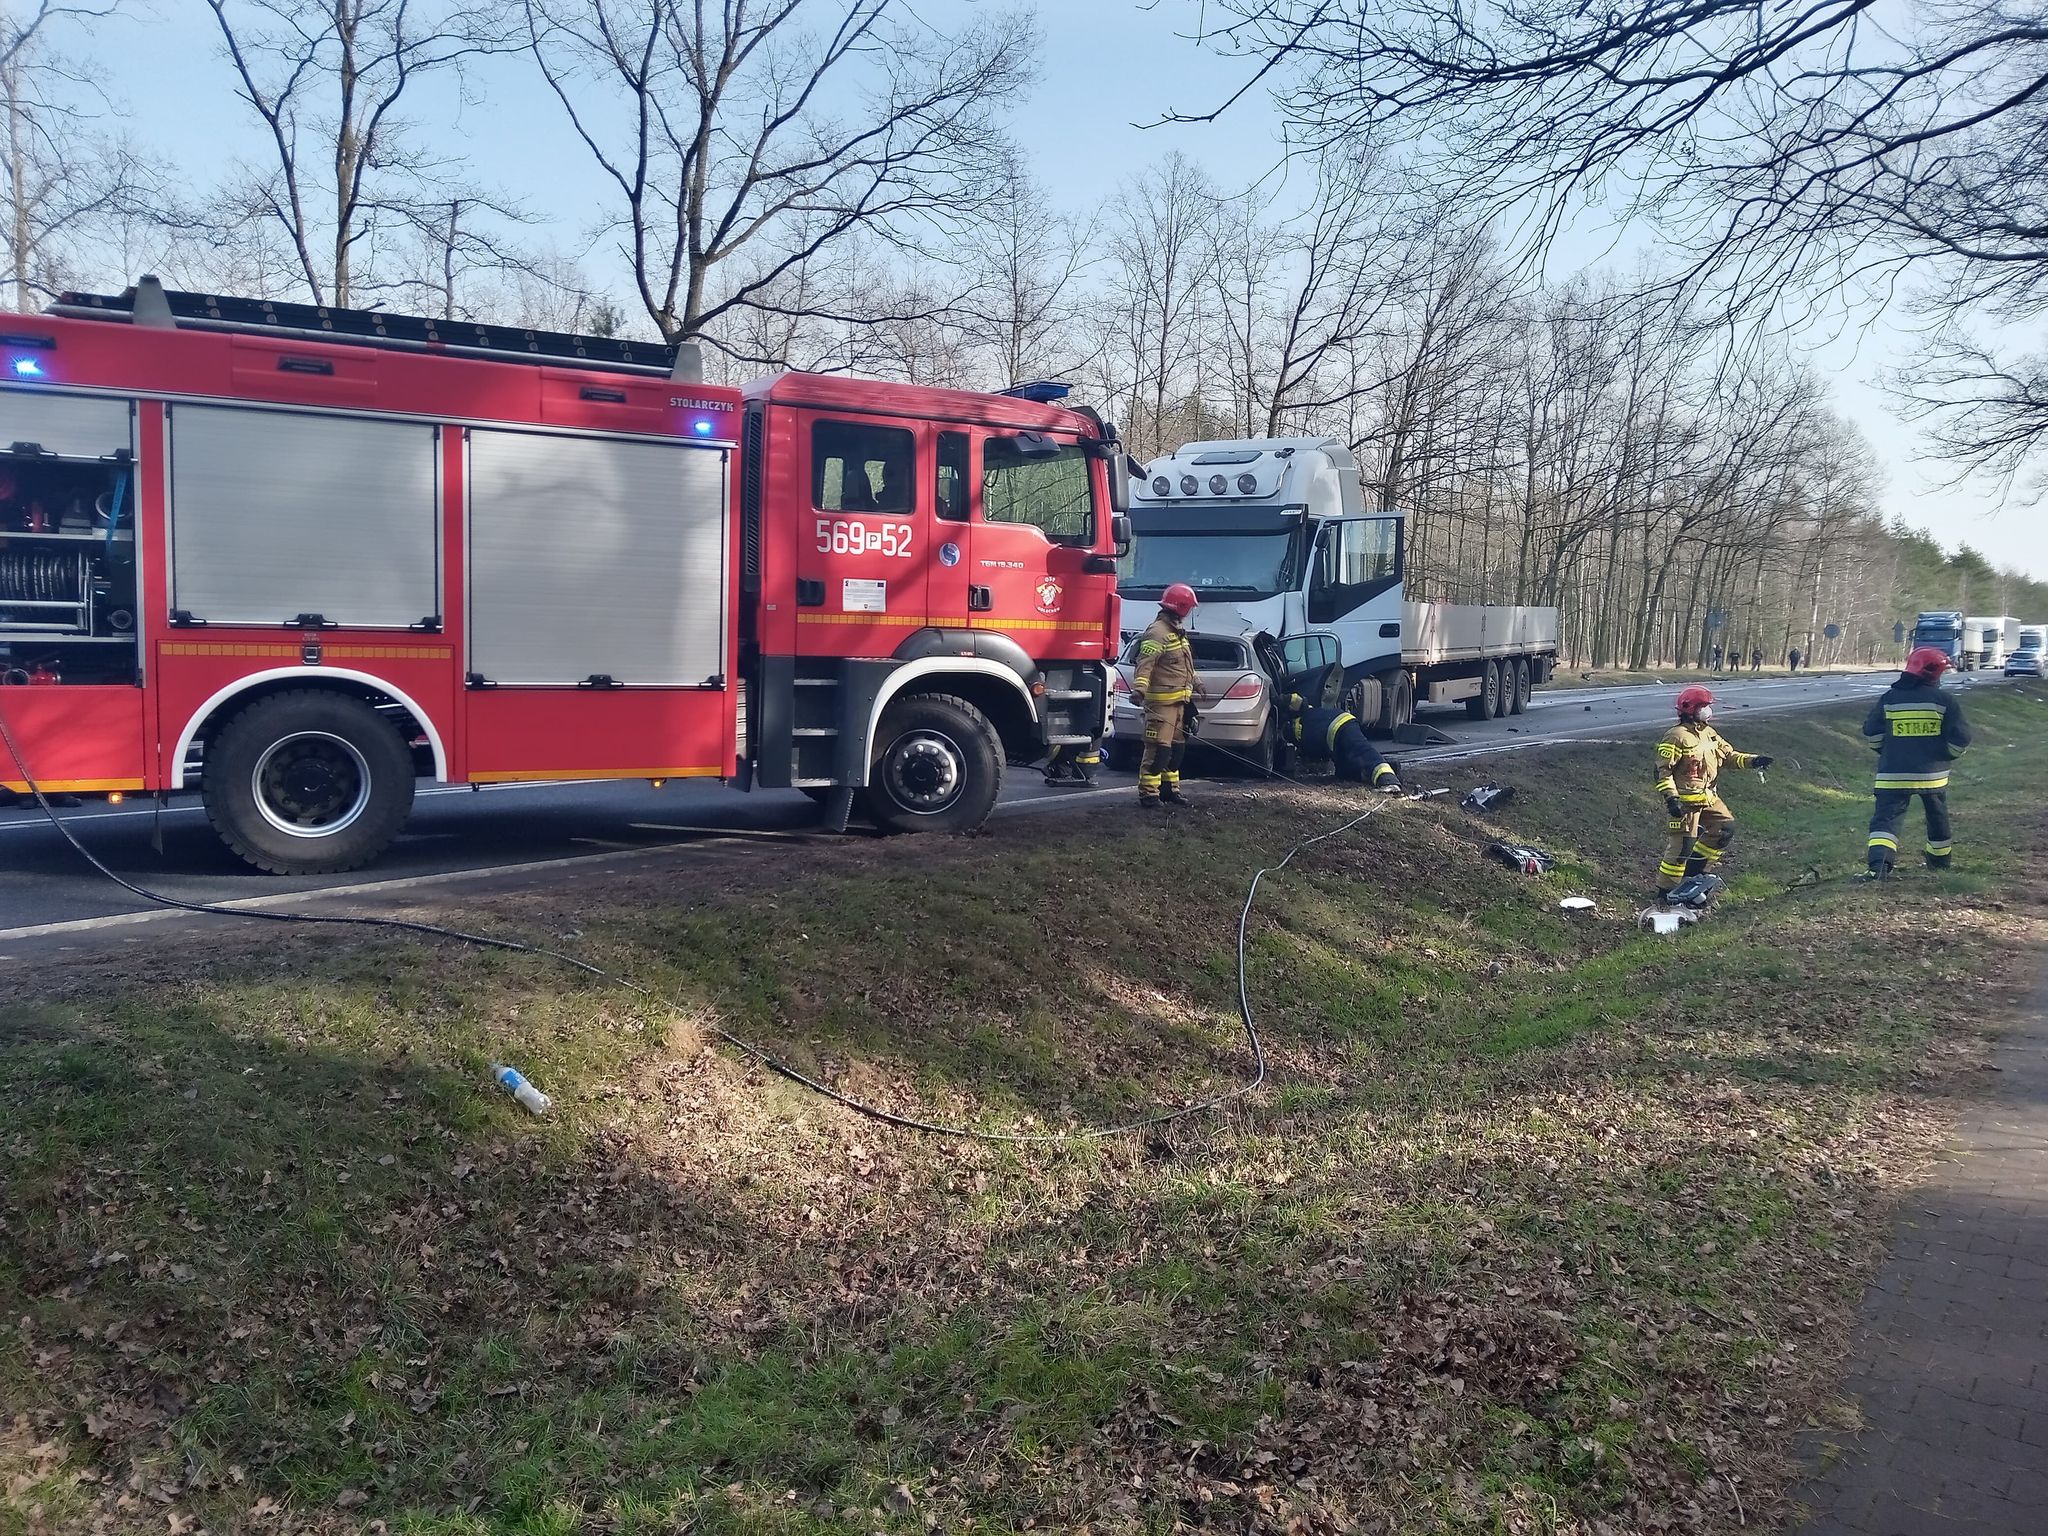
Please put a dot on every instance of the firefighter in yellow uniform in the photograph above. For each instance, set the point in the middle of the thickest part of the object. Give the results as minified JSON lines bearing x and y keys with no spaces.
{"x":1164,"y":686}
{"x":1689,"y":762}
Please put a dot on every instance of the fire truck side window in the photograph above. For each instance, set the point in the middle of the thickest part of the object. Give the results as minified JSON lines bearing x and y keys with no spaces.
{"x":1051,"y":492}
{"x":953,"y":474}
{"x":857,"y":468}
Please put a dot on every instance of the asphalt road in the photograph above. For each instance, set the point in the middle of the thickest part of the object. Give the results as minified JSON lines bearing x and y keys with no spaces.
{"x":535,"y":833}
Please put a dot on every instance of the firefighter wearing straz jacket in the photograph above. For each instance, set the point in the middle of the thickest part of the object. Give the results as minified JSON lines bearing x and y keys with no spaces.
{"x":1920,"y":731}
{"x":1689,"y":763}
{"x":1165,"y":687}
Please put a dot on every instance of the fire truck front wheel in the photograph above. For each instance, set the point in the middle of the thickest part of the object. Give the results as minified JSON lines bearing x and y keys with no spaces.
{"x":937,"y":766}
{"x":307,"y":782}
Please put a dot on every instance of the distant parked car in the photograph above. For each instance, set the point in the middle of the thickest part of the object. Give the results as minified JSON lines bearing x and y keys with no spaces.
{"x":2023,"y":664}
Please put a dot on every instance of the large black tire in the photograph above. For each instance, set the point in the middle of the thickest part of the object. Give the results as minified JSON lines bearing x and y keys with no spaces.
{"x":1523,"y":685}
{"x":1485,"y":704}
{"x":937,"y":766}
{"x":1123,"y":756}
{"x":1397,"y":702}
{"x":309,"y":782}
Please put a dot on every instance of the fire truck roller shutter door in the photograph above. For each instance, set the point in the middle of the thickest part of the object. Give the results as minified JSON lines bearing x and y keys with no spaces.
{"x":594,"y":556}
{"x":280,"y":513}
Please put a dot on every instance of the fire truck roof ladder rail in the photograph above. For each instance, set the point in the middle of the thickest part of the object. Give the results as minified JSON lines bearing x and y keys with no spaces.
{"x":149,"y":303}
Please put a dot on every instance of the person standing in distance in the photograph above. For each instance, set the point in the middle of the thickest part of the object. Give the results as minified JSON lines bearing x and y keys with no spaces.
{"x":1689,"y":762}
{"x":1919,"y":730}
{"x":1164,"y":686}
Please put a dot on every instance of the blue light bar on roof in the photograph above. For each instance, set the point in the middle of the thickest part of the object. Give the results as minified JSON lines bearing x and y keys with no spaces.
{"x":1042,"y":391}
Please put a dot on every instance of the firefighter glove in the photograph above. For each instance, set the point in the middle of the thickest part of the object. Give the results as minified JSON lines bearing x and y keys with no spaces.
{"x":1761,"y":761}
{"x":1674,"y":805}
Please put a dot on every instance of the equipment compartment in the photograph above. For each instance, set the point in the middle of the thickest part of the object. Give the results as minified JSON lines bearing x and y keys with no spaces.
{"x":67,"y":542}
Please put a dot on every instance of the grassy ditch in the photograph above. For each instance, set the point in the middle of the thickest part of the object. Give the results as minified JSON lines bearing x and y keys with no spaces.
{"x":1539,"y":1225}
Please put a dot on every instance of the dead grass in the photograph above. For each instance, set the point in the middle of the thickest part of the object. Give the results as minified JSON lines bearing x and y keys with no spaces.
{"x":1538,"y":1226}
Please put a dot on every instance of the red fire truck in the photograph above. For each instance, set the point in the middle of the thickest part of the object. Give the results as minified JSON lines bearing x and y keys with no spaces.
{"x":299,"y":557}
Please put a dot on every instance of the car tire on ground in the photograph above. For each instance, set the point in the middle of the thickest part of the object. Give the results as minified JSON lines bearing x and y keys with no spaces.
{"x":1397,"y":702}
{"x":1122,"y":755}
{"x":307,"y":782}
{"x":937,"y":766}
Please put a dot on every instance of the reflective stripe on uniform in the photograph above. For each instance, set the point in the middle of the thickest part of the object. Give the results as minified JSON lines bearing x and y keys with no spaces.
{"x":1701,"y":851}
{"x":1884,"y":840}
{"x":1385,"y":770}
{"x":1941,"y":850}
{"x":1173,"y":775}
{"x":1675,"y":871}
{"x":1913,"y":781}
{"x":1330,"y":737}
{"x":1667,"y":752}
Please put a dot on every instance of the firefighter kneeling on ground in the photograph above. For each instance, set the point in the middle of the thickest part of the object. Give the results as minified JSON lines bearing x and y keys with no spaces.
{"x":1920,"y":730}
{"x":1165,"y":687}
{"x":1334,"y":736}
{"x":1073,"y":763}
{"x":1689,"y":763}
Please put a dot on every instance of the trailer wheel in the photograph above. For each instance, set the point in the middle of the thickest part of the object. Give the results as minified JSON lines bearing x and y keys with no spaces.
{"x":937,"y":767}
{"x":308,"y":782}
{"x":1523,"y":684}
{"x":1485,"y":704}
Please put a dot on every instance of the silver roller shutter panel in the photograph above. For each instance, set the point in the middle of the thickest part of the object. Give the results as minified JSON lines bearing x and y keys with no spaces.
{"x":590,"y":556}
{"x":276,"y":514}
{"x":76,"y":426}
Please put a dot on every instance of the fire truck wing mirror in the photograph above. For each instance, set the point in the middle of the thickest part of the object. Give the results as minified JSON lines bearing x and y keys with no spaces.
{"x":1120,"y":533}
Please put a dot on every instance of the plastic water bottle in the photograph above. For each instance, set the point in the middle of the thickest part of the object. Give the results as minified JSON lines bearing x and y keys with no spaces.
{"x":512,"y":1082}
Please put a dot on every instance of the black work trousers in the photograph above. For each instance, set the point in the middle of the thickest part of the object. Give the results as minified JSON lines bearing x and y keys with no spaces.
{"x":1889,"y":815}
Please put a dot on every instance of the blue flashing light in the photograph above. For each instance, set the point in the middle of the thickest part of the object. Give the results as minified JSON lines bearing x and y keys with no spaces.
{"x":703,"y":426}
{"x":1042,"y":391}
{"x":28,"y":368}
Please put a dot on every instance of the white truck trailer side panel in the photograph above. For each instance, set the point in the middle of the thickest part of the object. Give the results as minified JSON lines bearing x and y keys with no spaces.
{"x":1433,"y":633}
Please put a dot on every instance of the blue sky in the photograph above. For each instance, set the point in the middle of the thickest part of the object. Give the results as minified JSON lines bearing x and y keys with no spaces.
{"x":1109,"y":67}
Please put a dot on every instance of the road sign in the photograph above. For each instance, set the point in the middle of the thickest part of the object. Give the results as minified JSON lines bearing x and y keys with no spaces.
{"x":1833,"y":631}
{"x":1716,"y":618}
{"x":1898,"y":634}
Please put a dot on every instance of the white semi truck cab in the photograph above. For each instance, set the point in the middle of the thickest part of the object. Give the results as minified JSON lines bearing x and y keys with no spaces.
{"x":1277,"y":535}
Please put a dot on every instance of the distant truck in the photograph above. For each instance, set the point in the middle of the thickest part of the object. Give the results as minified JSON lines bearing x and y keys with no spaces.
{"x":1987,"y":641}
{"x":1943,"y":631}
{"x":2034,"y":637}
{"x":1274,"y":535}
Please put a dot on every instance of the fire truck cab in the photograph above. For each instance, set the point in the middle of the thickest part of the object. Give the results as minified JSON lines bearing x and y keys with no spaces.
{"x":297,"y":558}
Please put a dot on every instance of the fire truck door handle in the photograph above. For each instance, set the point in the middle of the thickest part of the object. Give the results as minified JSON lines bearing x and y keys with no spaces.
{"x":980,"y":600}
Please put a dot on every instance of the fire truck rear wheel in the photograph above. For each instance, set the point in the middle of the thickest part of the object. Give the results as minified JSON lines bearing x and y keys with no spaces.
{"x":937,"y":767}
{"x":308,"y":782}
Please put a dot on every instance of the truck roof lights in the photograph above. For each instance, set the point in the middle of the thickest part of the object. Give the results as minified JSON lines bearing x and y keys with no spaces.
{"x":1039,"y":391}
{"x":1189,"y":485}
{"x":1218,"y":485}
{"x":1161,"y":486}
{"x":1247,"y":484}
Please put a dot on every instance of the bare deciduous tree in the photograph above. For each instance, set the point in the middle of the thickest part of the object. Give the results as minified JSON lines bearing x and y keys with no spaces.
{"x":56,"y":175}
{"x":743,"y":140}
{"x":326,"y":79}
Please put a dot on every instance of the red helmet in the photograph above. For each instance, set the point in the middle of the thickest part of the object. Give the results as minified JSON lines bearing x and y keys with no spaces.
{"x":1692,"y":700}
{"x":1928,"y":662}
{"x":1179,"y":600}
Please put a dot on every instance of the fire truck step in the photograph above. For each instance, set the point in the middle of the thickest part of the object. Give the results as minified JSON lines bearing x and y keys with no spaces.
{"x":814,"y":730}
{"x":814,"y":682}
{"x":813,"y":783}
{"x":1068,"y":693}
{"x":839,"y":808}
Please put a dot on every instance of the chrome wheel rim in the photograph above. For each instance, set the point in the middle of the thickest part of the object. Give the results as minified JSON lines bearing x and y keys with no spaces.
{"x":311,"y":784}
{"x":924,"y":771}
